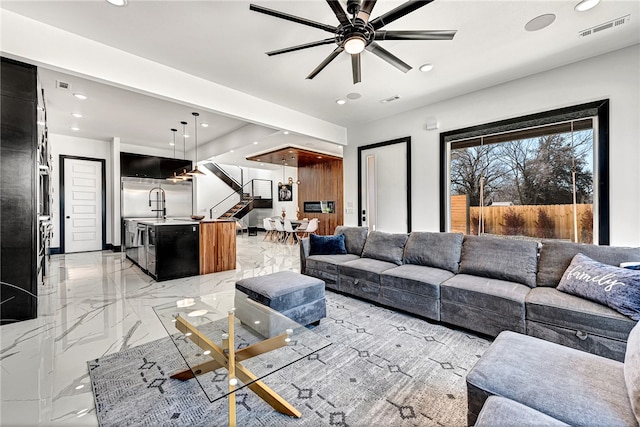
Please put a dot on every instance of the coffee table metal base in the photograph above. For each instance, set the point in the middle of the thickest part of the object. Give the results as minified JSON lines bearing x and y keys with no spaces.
{"x":227,"y":357}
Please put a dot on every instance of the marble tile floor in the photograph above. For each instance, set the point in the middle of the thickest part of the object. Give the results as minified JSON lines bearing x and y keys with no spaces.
{"x":93,"y":304}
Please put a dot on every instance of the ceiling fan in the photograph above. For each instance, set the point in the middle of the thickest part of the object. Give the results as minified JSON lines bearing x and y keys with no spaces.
{"x":357,"y":33}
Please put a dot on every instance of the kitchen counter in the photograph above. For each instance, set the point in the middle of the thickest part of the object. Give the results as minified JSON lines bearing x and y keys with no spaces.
{"x":167,"y":221}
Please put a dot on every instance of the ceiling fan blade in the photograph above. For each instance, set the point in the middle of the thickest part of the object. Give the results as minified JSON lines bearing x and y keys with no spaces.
{"x":384,"y":54}
{"x":326,"y":61}
{"x":398,"y":13}
{"x":415,"y":35}
{"x":365,"y":10}
{"x":339,"y":11}
{"x":356,"y":69}
{"x":292,"y":18}
{"x":301,"y":46}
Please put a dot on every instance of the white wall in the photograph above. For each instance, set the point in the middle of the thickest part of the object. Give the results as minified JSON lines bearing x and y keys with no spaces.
{"x":80,"y":147}
{"x":614,"y":76}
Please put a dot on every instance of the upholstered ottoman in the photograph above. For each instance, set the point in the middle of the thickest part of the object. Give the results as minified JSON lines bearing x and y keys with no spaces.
{"x":299,"y":297}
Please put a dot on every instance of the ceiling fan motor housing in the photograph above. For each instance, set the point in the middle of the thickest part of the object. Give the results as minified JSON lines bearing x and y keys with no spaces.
{"x":357,"y":29}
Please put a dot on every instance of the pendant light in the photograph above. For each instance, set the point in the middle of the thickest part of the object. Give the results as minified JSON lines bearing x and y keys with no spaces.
{"x":174,"y":177}
{"x":195,"y":171}
{"x":183,"y":175}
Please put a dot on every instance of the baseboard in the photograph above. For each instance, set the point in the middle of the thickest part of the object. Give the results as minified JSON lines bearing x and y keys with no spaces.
{"x":113,"y":248}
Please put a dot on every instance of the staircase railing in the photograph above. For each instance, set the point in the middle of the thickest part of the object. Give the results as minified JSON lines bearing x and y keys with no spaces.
{"x":224,"y":176}
{"x":261,"y":189}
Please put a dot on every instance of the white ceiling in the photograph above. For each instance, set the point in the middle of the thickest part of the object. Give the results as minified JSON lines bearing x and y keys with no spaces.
{"x":224,"y":42}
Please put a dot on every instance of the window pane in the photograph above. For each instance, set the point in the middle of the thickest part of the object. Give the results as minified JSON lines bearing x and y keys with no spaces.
{"x":529,"y":182}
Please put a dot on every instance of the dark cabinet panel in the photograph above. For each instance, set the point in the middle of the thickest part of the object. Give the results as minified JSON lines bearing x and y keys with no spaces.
{"x":177,"y":251}
{"x":169,"y":166}
{"x":139,"y":165}
{"x":18,"y":205}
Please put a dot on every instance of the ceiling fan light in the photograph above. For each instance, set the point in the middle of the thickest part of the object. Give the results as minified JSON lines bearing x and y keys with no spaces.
{"x":585,"y":5}
{"x":354,"y":45}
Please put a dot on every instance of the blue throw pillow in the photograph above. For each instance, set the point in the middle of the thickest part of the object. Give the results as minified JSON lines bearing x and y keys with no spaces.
{"x":615,"y":287}
{"x":326,"y":245}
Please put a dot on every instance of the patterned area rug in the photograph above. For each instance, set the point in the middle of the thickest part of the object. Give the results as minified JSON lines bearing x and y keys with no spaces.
{"x":383,"y":369}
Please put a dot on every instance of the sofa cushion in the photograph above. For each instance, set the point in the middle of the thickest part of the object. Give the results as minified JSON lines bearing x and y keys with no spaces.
{"x":500,"y":258}
{"x":548,"y":305}
{"x":570,"y":385}
{"x":329,"y":263}
{"x":632,"y":370}
{"x":501,"y":412}
{"x":365,"y":268}
{"x":385,"y":246}
{"x":354,"y":238}
{"x":327,"y":245}
{"x":498,"y":296}
{"x":439,"y":250}
{"x":615,"y":287}
{"x":555,"y":257}
{"x":416,"y":279}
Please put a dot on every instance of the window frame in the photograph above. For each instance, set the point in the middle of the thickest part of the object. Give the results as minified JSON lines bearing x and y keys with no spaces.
{"x":598,"y":109}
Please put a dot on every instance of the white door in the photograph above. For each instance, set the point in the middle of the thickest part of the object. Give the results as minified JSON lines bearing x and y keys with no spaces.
{"x":384,"y":188}
{"x":82,"y":205}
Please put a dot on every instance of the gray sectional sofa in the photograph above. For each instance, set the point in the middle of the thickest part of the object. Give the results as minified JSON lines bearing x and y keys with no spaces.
{"x":485,"y":284}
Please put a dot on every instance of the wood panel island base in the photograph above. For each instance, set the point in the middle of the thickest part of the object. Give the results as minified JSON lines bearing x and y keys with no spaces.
{"x":217,"y":246}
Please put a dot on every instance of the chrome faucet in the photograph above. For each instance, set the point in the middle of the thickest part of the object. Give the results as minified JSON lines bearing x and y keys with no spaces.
{"x":161,"y":209}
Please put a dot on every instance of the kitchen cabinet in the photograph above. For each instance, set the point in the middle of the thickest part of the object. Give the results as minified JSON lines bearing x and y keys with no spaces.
{"x":217,"y":246}
{"x":18,"y":194}
{"x":176,"y":251}
{"x":141,"y":166}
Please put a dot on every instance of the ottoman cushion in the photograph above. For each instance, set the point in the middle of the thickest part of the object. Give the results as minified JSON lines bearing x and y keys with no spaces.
{"x":501,"y":412}
{"x":283,"y":290}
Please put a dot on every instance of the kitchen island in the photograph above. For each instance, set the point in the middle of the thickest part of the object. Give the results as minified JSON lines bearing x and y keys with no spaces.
{"x":176,"y":247}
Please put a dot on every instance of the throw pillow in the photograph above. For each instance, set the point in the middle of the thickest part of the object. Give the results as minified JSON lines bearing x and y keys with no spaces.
{"x":615,"y":287}
{"x":326,"y":245}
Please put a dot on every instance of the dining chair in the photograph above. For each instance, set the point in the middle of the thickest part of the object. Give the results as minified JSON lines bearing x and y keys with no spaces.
{"x":302,"y":228}
{"x":280,"y":233}
{"x":290,"y":233}
{"x":268,"y":228}
{"x":312,"y":227}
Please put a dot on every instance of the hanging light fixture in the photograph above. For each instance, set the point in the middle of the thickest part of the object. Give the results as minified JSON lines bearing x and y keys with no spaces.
{"x":174,"y":177}
{"x":195,"y":170}
{"x":183,"y":175}
{"x":290,"y":180}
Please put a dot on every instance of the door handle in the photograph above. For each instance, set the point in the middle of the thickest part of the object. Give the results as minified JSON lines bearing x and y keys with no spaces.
{"x":68,"y":217}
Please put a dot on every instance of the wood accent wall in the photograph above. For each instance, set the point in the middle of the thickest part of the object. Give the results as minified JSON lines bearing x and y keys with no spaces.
{"x":217,"y":246}
{"x":322,"y":181}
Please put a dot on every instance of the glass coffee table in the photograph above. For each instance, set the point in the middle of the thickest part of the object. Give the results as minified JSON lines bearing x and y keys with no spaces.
{"x":229,"y":342}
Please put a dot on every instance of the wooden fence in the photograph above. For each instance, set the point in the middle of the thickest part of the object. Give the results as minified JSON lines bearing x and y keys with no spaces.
{"x":542,"y":221}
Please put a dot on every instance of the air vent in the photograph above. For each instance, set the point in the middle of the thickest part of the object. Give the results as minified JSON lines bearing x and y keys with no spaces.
{"x":390,"y":99}
{"x":63,"y":85}
{"x":611,"y":24}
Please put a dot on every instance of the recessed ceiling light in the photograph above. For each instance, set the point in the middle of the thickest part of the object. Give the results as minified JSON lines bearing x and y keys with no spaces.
{"x":231,"y":151}
{"x":204,"y":125}
{"x":118,"y":3}
{"x":540,"y":22}
{"x":186,"y":135}
{"x":354,"y":95}
{"x":426,"y":67}
{"x":319,"y":157}
{"x":80,"y":96}
{"x":341,"y":101}
{"x":255,"y":142}
{"x":75,"y":128}
{"x":286,"y":132}
{"x":172,"y":143}
{"x":261,"y":164}
{"x":78,"y":115}
{"x":586,"y":5}
{"x":258,"y":159}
